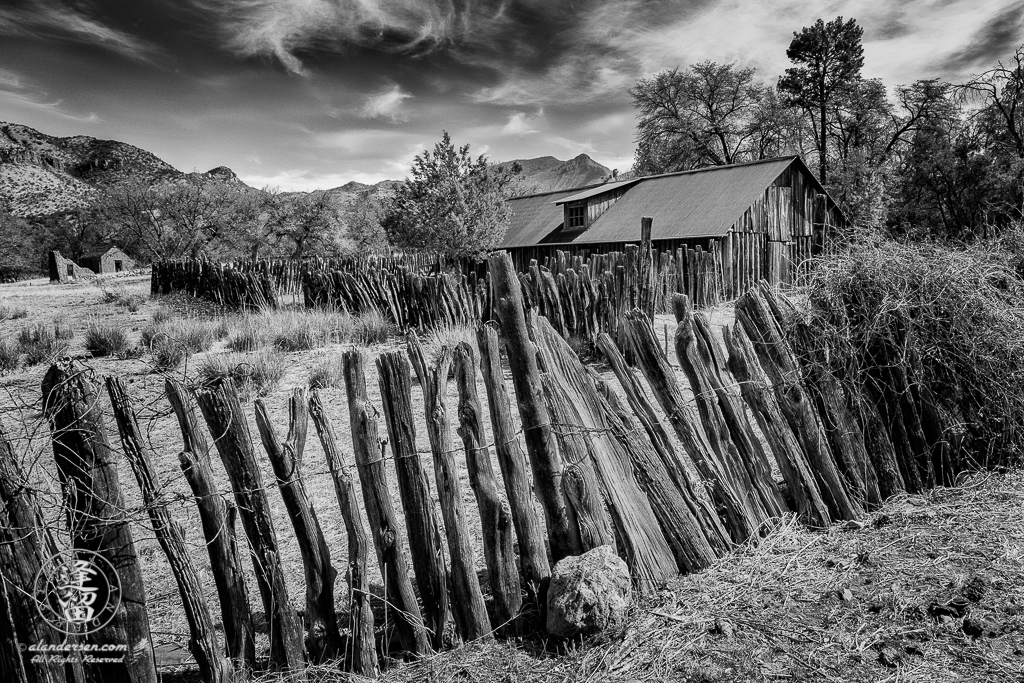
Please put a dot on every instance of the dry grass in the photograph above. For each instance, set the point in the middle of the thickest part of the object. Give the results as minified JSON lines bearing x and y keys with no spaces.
{"x":952,"y":316}
{"x":105,"y":338}
{"x":13,"y":312}
{"x":38,"y":344}
{"x":931,"y":590}
{"x":328,"y":373}
{"x":256,"y":373}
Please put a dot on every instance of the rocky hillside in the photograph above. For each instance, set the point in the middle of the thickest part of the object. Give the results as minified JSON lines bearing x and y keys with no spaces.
{"x":42,"y":175}
{"x":546,"y":174}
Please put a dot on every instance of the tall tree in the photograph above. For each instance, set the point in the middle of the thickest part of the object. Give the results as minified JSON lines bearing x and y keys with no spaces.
{"x":302,"y":223}
{"x":453,"y":203}
{"x":828,"y":59}
{"x":1001,"y":92}
{"x":703,"y":116}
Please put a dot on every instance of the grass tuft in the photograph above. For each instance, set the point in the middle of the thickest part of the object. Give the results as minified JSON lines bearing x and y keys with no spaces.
{"x":38,"y":344}
{"x":254,"y":373}
{"x":329,"y":372}
{"x":105,"y":338}
{"x":13,"y":312}
{"x":9,"y":356}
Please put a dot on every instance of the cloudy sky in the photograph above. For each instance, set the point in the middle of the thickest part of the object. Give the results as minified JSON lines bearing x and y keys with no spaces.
{"x":305,"y":94}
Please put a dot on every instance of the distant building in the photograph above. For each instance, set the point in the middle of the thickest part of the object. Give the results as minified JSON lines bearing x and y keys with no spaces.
{"x":760,"y":217}
{"x":113,"y":260}
{"x":64,"y":269}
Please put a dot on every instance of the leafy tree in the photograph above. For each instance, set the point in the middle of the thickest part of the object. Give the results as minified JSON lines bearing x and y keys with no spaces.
{"x":301,"y":223}
{"x":707,"y":115}
{"x":453,"y":203}
{"x":829,"y":58}
{"x":192,"y":217}
{"x":21,"y":248}
{"x":363,"y":219}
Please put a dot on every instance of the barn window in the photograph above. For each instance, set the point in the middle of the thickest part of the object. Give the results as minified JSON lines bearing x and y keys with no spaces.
{"x":117,"y":266}
{"x":71,"y":270}
{"x":575,"y":216}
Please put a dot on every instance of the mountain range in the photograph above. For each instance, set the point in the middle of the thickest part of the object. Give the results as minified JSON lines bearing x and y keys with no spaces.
{"x":42,"y":175}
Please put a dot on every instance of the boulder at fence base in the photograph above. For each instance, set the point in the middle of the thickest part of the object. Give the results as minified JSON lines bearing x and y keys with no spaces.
{"x":588,"y":593}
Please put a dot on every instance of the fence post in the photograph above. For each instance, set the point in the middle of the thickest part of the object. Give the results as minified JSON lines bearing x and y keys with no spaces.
{"x":323,"y":640}
{"x":512,"y":460}
{"x":467,"y":599}
{"x":218,"y":522}
{"x":96,"y":510}
{"x":776,"y":358}
{"x":691,"y":526}
{"x":203,"y":642}
{"x":495,"y":520}
{"x":25,"y":544}
{"x":363,"y":652}
{"x":414,"y":489}
{"x":223,"y":413}
{"x":686,"y":422}
{"x":387,"y":532}
{"x":507,"y":297}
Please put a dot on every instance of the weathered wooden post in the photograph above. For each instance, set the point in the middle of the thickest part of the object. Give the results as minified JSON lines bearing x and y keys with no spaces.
{"x":25,"y":546}
{"x":363,"y":656}
{"x":323,"y":640}
{"x":690,"y":525}
{"x":646,"y":298}
{"x":467,"y":598}
{"x":563,"y":530}
{"x":495,"y":520}
{"x":776,"y":358}
{"x":218,"y":521}
{"x":384,"y":525}
{"x":414,"y":488}
{"x":789,"y":455}
{"x":96,"y":511}
{"x":688,"y":427}
{"x":230,"y":430}
{"x":514,"y":465}
{"x":203,"y":643}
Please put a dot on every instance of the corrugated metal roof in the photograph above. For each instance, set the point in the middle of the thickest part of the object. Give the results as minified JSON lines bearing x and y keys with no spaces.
{"x":702,"y":203}
{"x":600,"y":189}
{"x":533,"y":217}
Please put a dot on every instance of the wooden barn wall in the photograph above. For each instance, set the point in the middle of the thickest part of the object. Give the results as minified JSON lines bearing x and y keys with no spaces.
{"x":774,"y":238}
{"x":599,"y":204}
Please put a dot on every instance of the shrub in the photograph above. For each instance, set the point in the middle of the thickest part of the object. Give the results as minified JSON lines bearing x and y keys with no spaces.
{"x":191,"y":334}
{"x":13,"y":312}
{"x":167,"y":354}
{"x":327,"y":373}
{"x":446,"y":335}
{"x":63,"y":332}
{"x":950,"y":318}
{"x":8,"y":356}
{"x":38,"y":344}
{"x":133,"y":302}
{"x":259,"y":372}
{"x":105,"y":339}
{"x":162,"y":314}
{"x":374,"y":328}
{"x":250,"y":335}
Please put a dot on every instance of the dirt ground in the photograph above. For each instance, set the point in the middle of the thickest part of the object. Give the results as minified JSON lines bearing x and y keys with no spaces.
{"x":778,"y":610}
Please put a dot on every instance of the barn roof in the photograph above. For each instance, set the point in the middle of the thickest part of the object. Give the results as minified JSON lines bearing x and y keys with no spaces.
{"x":701,"y":203}
{"x":533,"y":217}
{"x":597,"y":189}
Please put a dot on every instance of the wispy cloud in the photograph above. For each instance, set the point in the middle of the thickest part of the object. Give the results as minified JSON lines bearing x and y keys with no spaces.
{"x":386,"y":104}
{"x":18,"y":92}
{"x":54,"y":20}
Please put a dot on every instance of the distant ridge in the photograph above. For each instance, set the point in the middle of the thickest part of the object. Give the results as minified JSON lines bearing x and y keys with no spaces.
{"x":43,"y":175}
{"x":547,"y":174}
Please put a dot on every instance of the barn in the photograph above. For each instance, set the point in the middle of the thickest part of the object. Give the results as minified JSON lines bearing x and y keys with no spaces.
{"x":109,"y":260}
{"x":754,"y":220}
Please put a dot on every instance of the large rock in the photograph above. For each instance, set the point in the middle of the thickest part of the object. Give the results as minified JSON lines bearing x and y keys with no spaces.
{"x":588,"y":593}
